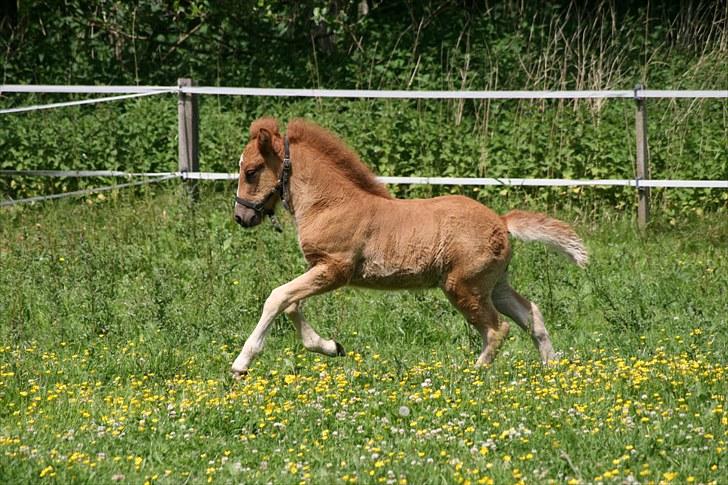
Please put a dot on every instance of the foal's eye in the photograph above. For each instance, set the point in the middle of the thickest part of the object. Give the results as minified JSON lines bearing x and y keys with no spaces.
{"x":250,"y":173}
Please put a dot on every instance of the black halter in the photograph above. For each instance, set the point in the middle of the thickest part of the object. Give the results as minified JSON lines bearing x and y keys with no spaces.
{"x":281,"y":188}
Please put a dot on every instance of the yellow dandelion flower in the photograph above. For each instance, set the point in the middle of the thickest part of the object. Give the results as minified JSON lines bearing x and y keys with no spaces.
{"x":669,"y":476}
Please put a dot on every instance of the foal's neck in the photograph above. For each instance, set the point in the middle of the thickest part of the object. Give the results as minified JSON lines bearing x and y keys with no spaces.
{"x":317,"y":185}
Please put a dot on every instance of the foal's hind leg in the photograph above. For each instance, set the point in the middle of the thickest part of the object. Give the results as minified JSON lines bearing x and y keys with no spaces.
{"x":526,"y":314}
{"x":478,"y":310}
{"x":494,"y":339}
{"x":310,"y":339}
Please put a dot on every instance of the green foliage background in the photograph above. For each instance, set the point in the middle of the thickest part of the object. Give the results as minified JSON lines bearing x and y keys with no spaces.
{"x":387,"y":45}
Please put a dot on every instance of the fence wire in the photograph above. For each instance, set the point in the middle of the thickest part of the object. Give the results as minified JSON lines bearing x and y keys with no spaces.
{"x":78,"y":193}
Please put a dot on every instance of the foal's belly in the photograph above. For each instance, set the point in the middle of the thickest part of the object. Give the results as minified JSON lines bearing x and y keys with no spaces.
{"x":394,"y":271}
{"x":382,"y":276}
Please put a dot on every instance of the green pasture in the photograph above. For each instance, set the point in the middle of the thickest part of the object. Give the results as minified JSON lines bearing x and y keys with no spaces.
{"x":121,"y":314}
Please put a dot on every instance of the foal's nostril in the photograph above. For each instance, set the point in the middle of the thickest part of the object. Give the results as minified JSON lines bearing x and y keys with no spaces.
{"x":246,"y":218}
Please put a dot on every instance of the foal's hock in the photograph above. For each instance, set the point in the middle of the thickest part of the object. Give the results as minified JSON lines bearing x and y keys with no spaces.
{"x":353,"y":232}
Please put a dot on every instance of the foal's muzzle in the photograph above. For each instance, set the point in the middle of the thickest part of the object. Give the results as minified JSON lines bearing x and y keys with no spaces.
{"x":247,"y":217}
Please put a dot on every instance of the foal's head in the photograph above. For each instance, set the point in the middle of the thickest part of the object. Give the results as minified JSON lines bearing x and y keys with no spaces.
{"x":260,"y":168}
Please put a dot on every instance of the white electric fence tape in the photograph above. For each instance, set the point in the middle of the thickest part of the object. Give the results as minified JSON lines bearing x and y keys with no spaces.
{"x":80,"y":89}
{"x":402,"y":94}
{"x":155,"y":177}
{"x":83,"y":173}
{"x":518,"y":182}
{"x":506,"y":181}
{"x":510,"y":182}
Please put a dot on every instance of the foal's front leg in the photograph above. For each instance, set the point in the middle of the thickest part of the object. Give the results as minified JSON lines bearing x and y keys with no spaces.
{"x":319,"y":279}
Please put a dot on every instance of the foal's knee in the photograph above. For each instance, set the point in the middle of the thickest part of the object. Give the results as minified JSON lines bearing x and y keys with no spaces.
{"x":276,"y":302}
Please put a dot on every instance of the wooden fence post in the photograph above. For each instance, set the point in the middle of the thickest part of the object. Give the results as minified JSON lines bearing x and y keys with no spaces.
{"x":189,"y":121}
{"x":642,"y":162}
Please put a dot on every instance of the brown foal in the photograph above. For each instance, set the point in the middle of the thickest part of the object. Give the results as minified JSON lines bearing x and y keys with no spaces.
{"x":353,"y":232}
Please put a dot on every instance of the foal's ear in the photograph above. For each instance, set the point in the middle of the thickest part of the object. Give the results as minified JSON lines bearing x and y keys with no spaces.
{"x":265,"y":142}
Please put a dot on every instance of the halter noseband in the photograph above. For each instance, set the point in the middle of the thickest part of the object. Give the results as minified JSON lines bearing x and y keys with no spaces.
{"x":281,"y":188}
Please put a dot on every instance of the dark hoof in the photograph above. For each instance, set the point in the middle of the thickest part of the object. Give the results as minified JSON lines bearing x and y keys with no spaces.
{"x":240,"y":375}
{"x":340,"y":352}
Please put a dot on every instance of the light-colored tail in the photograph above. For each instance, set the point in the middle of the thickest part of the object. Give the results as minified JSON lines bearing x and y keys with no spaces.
{"x":534,"y":226}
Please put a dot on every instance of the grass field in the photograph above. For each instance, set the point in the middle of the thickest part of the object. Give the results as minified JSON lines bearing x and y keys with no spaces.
{"x":119,"y":319}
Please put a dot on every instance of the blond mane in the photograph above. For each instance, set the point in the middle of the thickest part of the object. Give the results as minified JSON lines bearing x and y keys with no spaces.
{"x":335,"y":151}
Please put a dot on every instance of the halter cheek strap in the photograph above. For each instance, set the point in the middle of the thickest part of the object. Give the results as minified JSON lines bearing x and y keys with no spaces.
{"x":281,"y":188}
{"x":285,"y":189}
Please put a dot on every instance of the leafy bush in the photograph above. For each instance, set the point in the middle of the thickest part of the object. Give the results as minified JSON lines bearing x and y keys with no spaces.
{"x":392,"y":45}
